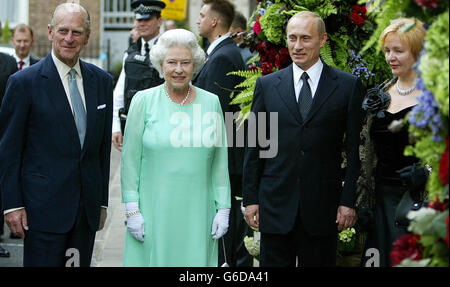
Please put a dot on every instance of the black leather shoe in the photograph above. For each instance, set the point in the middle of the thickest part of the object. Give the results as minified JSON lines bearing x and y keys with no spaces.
{"x":4,"y":252}
{"x":14,"y":236}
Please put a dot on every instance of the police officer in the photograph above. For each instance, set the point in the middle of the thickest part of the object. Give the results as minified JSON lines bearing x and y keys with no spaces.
{"x":137,"y":72}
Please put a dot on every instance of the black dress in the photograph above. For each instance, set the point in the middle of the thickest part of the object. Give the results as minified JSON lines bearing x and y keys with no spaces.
{"x":389,"y":148}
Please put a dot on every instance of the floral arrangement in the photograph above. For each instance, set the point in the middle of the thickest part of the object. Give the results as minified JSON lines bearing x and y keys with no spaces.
{"x":348,"y":27}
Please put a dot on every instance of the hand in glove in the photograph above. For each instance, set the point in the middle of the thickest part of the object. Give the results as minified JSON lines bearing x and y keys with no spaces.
{"x":414,"y":178}
{"x":135,"y":222}
{"x":220,"y":223}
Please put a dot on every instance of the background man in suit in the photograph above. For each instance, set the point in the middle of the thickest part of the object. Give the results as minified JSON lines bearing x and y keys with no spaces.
{"x":22,"y":40}
{"x":296,"y":198}
{"x":238,"y":29}
{"x":55,"y":123}
{"x":223,"y":56}
{"x":7,"y":68}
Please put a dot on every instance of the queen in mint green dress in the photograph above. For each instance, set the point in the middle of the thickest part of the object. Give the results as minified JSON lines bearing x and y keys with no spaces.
{"x":174,"y":163}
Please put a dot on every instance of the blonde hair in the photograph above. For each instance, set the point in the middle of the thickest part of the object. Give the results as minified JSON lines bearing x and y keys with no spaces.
{"x":413,"y":38}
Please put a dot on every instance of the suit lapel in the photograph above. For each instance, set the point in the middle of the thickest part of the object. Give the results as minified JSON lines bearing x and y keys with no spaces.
{"x":327,"y":85}
{"x":90,"y":95}
{"x":287,"y":92}
{"x":54,"y":90}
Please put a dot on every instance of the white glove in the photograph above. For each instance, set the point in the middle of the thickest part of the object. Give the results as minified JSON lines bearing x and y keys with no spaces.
{"x":220,"y":223}
{"x":135,"y":223}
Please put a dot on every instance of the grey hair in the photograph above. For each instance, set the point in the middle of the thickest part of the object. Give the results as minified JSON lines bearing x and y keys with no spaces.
{"x":73,"y":7}
{"x":176,"y":37}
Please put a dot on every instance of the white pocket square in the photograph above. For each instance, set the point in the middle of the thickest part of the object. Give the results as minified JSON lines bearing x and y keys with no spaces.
{"x":101,"y":107}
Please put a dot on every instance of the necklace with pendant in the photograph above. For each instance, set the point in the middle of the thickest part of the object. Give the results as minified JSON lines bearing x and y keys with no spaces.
{"x":182,"y":102}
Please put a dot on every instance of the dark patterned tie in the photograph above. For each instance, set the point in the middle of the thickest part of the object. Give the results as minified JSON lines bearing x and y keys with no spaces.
{"x":21,"y":63}
{"x":147,"y":48}
{"x":305,"y":97}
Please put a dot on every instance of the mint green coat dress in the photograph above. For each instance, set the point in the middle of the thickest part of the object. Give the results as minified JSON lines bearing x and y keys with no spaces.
{"x":174,"y":163}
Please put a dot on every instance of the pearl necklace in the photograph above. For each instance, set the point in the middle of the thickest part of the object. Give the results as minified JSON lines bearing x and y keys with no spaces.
{"x":182,"y":102}
{"x":404,"y":92}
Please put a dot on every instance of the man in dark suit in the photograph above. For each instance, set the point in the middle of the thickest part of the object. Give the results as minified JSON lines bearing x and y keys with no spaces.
{"x":296,"y":197}
{"x":22,"y":40}
{"x":55,"y":123}
{"x":7,"y":68}
{"x":223,"y":56}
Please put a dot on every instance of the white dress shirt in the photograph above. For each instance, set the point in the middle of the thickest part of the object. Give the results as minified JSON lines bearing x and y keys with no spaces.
{"x":314,"y":73}
{"x":120,"y":86}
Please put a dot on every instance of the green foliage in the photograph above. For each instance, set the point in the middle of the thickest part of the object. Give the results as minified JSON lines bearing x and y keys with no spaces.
{"x":245,"y":97}
{"x":272,"y":23}
{"x":435,"y":64}
{"x":6,"y":33}
{"x":386,"y":11}
{"x":325,"y":54}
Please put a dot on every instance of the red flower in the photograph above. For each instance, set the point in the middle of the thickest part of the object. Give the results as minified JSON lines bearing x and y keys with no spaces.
{"x":358,"y":15}
{"x":439,"y":206}
{"x":443,"y":167}
{"x":407,"y":246}
{"x":282,"y":60}
{"x":428,"y":3}
{"x":257,"y":27}
{"x":266,"y":68}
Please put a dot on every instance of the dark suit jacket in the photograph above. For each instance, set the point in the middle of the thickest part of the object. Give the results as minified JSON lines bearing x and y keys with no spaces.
{"x":305,"y":176}
{"x":33,"y":60}
{"x":8,"y":67}
{"x":42,"y":166}
{"x":212,"y":77}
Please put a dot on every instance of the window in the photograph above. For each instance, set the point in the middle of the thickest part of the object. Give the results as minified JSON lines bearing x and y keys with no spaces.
{"x":15,"y":11}
{"x":117,"y":14}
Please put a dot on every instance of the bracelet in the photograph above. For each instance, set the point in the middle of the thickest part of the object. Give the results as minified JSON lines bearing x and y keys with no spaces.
{"x":131,"y":213}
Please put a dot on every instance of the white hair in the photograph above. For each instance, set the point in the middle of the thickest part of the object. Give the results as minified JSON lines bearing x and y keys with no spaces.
{"x":176,"y":37}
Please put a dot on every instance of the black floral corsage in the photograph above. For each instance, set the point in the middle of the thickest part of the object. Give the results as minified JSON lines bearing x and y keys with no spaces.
{"x":376,"y":102}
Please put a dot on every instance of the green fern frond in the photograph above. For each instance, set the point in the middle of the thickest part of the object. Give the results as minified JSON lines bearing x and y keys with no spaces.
{"x":243,"y":97}
{"x":325,"y":53}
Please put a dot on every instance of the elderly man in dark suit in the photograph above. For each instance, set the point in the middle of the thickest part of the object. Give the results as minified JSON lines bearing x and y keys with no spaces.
{"x":7,"y":68}
{"x":55,"y":123}
{"x":223,"y":56}
{"x":296,"y":197}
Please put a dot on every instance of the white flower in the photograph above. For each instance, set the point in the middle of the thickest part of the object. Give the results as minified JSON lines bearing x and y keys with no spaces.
{"x":421,"y":213}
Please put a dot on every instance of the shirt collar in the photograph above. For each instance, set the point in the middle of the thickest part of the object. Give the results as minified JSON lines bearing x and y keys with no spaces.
{"x":150,"y":44}
{"x":26,"y":60}
{"x":63,"y":69}
{"x":314,"y":72}
{"x":217,"y":42}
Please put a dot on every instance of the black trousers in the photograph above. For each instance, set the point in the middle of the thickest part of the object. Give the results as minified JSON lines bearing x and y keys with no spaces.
{"x":236,"y":253}
{"x":72,"y":249}
{"x":283,"y":250}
